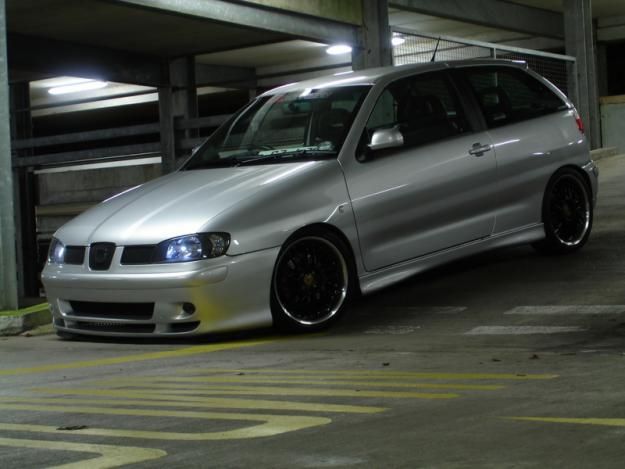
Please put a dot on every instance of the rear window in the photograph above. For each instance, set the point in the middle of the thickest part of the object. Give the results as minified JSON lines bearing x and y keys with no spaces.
{"x":507,"y":95}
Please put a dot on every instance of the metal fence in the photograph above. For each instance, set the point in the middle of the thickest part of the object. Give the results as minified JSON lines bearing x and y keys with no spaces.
{"x":419,"y":47}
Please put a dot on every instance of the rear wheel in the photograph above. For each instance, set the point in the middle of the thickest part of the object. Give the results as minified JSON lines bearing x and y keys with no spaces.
{"x":312,"y":282}
{"x":567,"y":213}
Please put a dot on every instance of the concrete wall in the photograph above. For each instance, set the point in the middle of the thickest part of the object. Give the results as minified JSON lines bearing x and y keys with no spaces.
{"x":63,"y":195}
{"x":613,"y":122}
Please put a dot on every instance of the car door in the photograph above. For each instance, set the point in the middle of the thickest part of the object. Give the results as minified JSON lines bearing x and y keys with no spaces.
{"x":436,"y":191}
{"x":532,"y":130}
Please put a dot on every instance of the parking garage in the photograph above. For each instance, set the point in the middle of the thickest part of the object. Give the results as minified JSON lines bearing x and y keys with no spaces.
{"x":503,"y":359}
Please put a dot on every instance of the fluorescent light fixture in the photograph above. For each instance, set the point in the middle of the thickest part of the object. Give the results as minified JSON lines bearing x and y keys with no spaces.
{"x":397,"y":41}
{"x":77,"y":87}
{"x":339,"y":49}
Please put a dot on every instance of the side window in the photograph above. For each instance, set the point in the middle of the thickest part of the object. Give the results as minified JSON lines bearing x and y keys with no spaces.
{"x":424,"y":108}
{"x":507,"y":95}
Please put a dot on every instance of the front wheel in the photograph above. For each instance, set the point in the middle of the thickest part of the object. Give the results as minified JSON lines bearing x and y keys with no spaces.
{"x":312,"y":282}
{"x":567,"y":213}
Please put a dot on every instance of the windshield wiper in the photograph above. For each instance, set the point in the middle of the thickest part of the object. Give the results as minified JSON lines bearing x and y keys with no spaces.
{"x":277,"y":155}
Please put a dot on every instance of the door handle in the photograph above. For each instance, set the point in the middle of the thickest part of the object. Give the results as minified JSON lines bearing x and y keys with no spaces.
{"x":478,"y":149}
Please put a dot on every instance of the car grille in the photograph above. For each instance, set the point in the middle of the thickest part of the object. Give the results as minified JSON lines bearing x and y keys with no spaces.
{"x":137,"y":311}
{"x":114,"y":327}
{"x":184,"y":326}
{"x":101,"y":255}
{"x":74,"y":255}
{"x":138,"y":255}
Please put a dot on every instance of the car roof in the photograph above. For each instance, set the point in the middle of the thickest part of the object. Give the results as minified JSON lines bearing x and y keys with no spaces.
{"x":371,"y":76}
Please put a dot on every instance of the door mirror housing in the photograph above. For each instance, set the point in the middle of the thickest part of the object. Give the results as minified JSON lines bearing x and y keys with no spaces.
{"x":383,"y":139}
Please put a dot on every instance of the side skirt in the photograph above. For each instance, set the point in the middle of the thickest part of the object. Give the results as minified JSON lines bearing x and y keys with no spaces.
{"x":372,"y":281}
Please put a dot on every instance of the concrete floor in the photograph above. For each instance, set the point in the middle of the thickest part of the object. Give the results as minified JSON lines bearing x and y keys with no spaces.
{"x":505,"y":360}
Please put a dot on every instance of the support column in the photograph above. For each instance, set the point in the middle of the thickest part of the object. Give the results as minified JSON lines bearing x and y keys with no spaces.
{"x":580,"y":42}
{"x":8,"y":264}
{"x":177,"y":100}
{"x":375,"y":48}
{"x":25,"y":189}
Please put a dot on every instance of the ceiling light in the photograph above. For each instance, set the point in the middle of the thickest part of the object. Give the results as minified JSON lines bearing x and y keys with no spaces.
{"x":76,"y":87}
{"x":397,"y":40}
{"x":339,"y":49}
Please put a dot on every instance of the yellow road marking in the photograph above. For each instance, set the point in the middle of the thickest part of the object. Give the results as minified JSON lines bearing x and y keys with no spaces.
{"x":381,"y":374}
{"x":210,"y":389}
{"x":271,"y":424}
{"x":157,"y":399}
{"x":579,"y":421}
{"x":30,"y":309}
{"x":256,"y":379}
{"x":184,"y":352}
{"x":110,"y":456}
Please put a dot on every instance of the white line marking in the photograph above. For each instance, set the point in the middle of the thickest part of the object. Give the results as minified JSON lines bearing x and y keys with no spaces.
{"x":522,"y":330}
{"x":568,"y":309}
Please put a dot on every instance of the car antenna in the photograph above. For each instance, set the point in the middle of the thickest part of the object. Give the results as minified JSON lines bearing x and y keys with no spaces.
{"x":435,"y":49}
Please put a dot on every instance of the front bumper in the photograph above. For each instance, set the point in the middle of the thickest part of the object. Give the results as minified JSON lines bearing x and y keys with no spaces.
{"x":184,"y":299}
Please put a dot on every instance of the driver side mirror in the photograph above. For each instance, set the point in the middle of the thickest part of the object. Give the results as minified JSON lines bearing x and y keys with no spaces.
{"x":383,"y":139}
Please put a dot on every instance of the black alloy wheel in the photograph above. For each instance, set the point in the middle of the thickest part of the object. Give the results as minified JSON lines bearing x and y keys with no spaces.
{"x":567,"y":213}
{"x":311,"y":282}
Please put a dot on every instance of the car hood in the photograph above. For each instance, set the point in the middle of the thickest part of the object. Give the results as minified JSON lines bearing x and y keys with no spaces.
{"x":177,"y":204}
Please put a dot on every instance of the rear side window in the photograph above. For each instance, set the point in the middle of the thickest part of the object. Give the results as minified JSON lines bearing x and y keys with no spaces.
{"x":507,"y":95}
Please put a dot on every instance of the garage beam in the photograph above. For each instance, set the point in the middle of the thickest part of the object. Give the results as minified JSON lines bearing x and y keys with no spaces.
{"x":8,"y":262}
{"x":253,"y":16}
{"x":492,"y":13}
{"x":36,"y":55}
{"x":222,"y":75}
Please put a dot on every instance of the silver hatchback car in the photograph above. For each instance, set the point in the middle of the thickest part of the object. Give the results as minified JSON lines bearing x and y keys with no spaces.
{"x":320,"y":190}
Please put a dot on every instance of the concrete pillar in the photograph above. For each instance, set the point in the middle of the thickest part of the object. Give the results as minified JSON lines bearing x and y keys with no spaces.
{"x":8,"y":263}
{"x":25,"y":189}
{"x":375,"y":48}
{"x":580,"y":42}
{"x":176,"y":100}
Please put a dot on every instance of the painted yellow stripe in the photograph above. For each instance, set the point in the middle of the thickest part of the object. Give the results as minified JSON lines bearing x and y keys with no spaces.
{"x":378,"y":374}
{"x":19,"y":312}
{"x":288,"y":380}
{"x":110,"y":456}
{"x":156,"y":399}
{"x":210,"y":389}
{"x":579,"y":421}
{"x":271,"y":424}
{"x":184,"y":352}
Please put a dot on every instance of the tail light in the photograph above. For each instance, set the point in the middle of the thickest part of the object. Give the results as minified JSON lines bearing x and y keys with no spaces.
{"x":579,"y":122}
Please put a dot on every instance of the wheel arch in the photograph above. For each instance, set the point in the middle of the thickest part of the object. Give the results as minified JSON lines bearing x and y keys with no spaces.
{"x":328,"y":228}
{"x":575,"y":168}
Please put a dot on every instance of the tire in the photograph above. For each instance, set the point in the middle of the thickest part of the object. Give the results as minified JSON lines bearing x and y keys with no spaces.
{"x":313,"y":280}
{"x":567,"y":213}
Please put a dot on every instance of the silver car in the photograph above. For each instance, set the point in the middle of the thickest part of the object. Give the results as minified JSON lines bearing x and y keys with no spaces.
{"x":321,"y":190}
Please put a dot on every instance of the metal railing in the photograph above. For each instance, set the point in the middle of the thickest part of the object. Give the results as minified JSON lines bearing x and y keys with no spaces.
{"x":419,"y":47}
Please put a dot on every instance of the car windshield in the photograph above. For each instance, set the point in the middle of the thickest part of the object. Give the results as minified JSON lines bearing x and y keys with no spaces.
{"x":303,"y":124}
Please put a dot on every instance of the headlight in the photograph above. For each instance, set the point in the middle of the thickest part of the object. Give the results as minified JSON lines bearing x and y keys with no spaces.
{"x":56,"y":252}
{"x":193,"y":247}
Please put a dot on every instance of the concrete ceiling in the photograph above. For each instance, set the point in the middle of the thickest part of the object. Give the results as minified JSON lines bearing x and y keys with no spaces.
{"x":600,"y":8}
{"x":127,"y":28}
{"x":116,"y":26}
